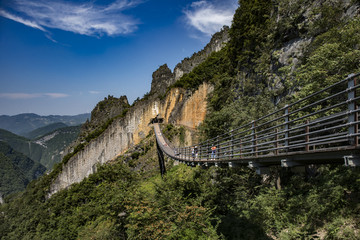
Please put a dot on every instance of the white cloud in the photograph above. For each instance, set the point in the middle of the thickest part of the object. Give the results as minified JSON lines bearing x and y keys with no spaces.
{"x":15,"y":96}
{"x":209,"y":17}
{"x":20,"y":20}
{"x":88,"y":19}
{"x":56,"y":95}
{"x":94,"y":92}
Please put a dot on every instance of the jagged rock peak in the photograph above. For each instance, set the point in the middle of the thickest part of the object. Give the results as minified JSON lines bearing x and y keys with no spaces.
{"x":109,"y":107}
{"x":106,"y":109}
{"x":162,"y":78}
{"x":216,"y":43}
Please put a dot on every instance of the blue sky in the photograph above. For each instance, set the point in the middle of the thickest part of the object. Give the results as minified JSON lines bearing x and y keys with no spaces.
{"x":62,"y":57}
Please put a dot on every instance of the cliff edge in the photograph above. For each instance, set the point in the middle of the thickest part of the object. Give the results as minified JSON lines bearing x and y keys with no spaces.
{"x":178,"y":106}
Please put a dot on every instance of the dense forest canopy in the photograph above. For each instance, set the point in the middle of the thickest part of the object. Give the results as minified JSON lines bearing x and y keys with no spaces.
{"x":279,"y":51}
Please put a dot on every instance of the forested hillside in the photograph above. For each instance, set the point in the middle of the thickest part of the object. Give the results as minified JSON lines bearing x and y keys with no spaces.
{"x":39,"y":132}
{"x":279,"y":51}
{"x":46,"y":149}
{"x":22,"y":144}
{"x":17,"y":170}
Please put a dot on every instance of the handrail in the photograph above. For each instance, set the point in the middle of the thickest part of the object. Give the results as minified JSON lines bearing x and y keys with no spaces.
{"x":309,"y":125}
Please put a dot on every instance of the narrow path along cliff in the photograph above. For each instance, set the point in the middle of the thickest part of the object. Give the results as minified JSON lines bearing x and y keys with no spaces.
{"x":177,"y":105}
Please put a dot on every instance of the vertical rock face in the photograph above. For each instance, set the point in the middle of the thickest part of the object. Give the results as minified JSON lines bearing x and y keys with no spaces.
{"x":104,"y":110}
{"x":181,"y":108}
{"x":216,"y":43}
{"x":162,"y":78}
{"x":178,"y":107}
{"x":187,"y":109}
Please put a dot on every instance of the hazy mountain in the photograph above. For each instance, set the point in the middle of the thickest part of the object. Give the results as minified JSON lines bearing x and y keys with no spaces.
{"x":17,"y":170}
{"x":22,"y":124}
{"x":37,"y":133}
{"x":23,"y":160}
{"x":47,"y":149}
{"x":54,"y":144}
{"x":21,"y":144}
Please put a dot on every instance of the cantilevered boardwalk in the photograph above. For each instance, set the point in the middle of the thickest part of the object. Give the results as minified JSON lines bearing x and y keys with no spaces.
{"x":320,"y":128}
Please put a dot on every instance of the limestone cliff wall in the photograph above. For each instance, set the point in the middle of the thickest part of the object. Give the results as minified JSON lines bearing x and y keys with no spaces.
{"x":179,"y":107}
{"x":217,"y":42}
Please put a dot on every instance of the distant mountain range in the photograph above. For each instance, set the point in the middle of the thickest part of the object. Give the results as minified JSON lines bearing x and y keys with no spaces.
{"x":47,"y":148}
{"x":24,"y":159}
{"x":39,"y":132}
{"x":23,"y":124}
{"x":16,"y":170}
{"x":41,"y":144}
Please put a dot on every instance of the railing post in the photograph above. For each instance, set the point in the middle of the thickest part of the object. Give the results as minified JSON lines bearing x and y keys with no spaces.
{"x":199,"y":152}
{"x":240,"y":147}
{"x":208,"y":150}
{"x":276,"y":142}
{"x":351,"y":108}
{"x":307,"y":138}
{"x":232,"y":144}
{"x":286,"y":117}
{"x":254,"y":143}
{"x":217,"y":153}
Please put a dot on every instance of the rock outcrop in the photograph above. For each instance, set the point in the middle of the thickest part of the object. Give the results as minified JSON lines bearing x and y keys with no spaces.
{"x":216,"y":43}
{"x":178,"y":106}
{"x":162,"y":78}
{"x":106,"y":109}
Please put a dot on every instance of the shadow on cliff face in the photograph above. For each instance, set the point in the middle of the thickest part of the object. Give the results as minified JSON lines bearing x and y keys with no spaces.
{"x":233,"y":227}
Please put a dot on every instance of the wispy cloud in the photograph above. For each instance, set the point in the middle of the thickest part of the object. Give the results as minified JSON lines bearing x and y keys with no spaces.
{"x":15,"y":96}
{"x":56,"y":95}
{"x":94,"y":92}
{"x":21,"y":20}
{"x":209,"y":16}
{"x":89,"y":19}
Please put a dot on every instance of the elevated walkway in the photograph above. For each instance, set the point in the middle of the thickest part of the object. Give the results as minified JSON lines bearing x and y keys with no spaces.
{"x":320,"y":128}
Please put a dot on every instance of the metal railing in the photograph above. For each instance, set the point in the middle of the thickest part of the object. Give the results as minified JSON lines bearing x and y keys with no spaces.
{"x":324,"y":121}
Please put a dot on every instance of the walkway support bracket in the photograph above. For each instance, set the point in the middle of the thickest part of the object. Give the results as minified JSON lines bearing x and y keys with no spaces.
{"x":259,"y":168}
{"x":352,"y":161}
{"x":289,"y":163}
{"x":161,"y":159}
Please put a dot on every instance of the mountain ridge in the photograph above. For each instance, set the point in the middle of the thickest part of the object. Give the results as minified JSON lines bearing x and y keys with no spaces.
{"x":22,"y":124}
{"x":39,"y":132}
{"x":260,"y":69}
{"x":17,"y":170}
{"x":47,"y":149}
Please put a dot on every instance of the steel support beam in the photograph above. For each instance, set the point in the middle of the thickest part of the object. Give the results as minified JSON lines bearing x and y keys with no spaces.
{"x":290,"y":163}
{"x":352,"y":160}
{"x":259,"y":168}
{"x":161,"y":159}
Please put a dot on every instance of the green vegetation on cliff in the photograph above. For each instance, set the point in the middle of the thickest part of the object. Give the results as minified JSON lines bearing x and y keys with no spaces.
{"x":279,"y":52}
{"x":189,"y":203}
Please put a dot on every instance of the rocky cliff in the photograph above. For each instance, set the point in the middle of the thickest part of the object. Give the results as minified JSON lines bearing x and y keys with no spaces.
{"x":178,"y":106}
{"x":216,"y":43}
{"x":164,"y":78}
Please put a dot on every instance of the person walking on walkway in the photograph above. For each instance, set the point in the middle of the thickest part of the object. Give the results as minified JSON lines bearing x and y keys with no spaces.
{"x":213,"y":152}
